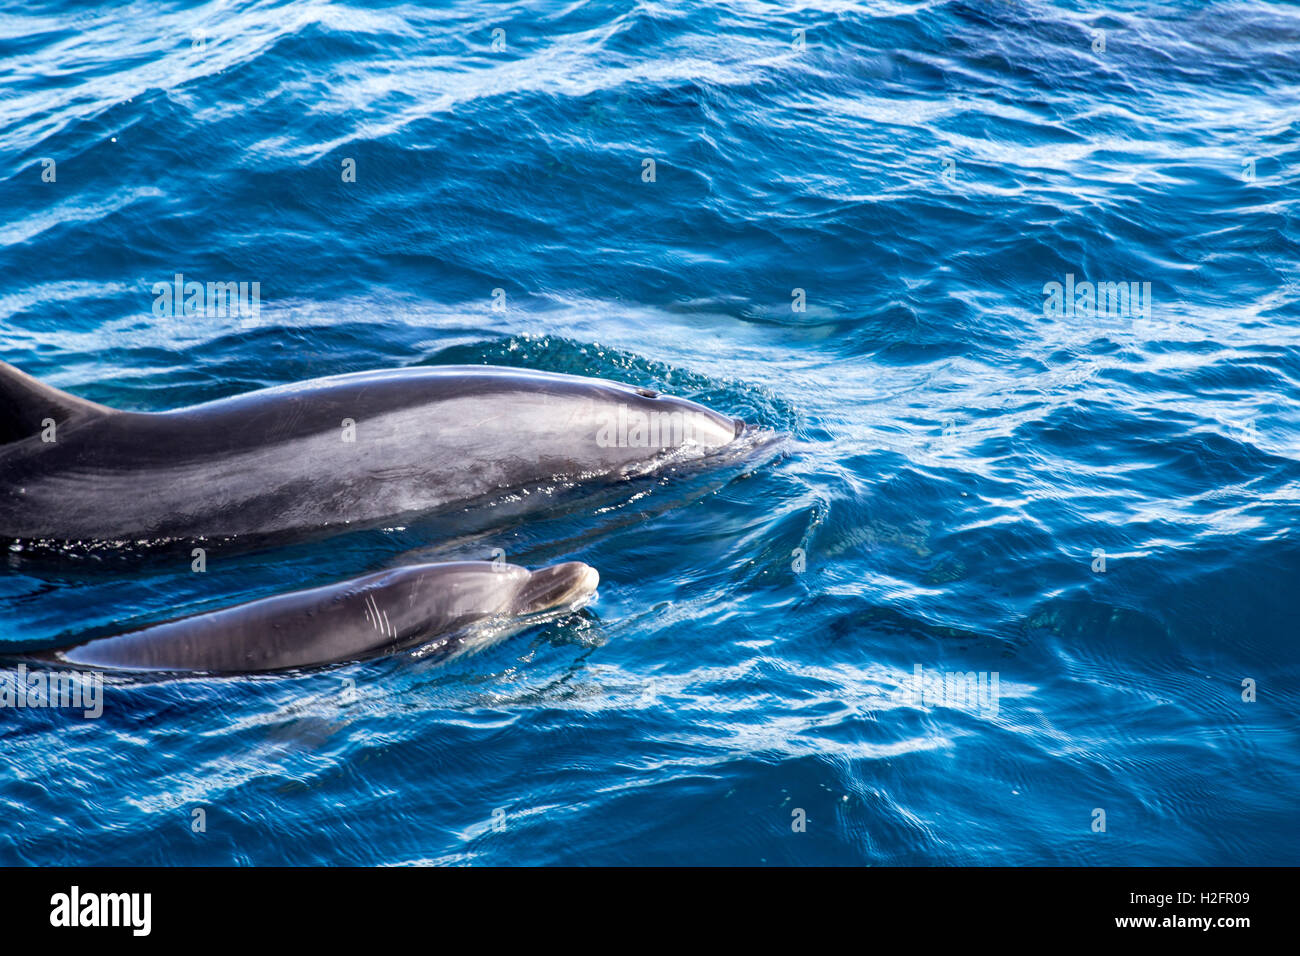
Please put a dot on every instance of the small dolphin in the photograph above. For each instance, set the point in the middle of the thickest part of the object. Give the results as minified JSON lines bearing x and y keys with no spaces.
{"x":358,"y":449}
{"x":429,"y":606}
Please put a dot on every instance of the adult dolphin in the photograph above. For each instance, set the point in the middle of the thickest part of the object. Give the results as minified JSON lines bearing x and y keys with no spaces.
{"x":356,"y":449}
{"x":430,"y":606}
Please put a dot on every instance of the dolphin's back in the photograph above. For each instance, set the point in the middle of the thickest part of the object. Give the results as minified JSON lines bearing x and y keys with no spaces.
{"x":286,"y":631}
{"x":378,"y":613}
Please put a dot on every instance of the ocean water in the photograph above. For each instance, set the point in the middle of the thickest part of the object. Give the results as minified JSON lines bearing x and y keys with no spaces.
{"x":840,"y":221}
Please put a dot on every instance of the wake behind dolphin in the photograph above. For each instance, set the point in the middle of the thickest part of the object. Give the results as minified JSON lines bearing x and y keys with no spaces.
{"x":427,"y":606}
{"x":349,"y":450}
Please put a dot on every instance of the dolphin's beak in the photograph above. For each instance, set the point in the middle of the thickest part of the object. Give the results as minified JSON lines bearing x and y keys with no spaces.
{"x":560,"y":585}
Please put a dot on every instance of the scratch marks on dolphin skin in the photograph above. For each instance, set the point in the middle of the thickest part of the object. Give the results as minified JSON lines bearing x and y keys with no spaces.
{"x":378,"y":619}
{"x":287,"y":426}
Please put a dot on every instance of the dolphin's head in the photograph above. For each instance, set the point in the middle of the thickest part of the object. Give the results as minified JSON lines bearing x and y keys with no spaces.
{"x":642,"y":420}
{"x":482,"y":601}
{"x":438,"y":597}
{"x":559,"y":586}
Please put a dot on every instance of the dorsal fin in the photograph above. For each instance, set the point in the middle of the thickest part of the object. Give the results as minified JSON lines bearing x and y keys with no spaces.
{"x":25,"y":404}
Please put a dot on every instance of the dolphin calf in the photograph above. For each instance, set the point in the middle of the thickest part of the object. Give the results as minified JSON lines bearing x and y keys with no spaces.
{"x":382,"y":613}
{"x":357,"y":449}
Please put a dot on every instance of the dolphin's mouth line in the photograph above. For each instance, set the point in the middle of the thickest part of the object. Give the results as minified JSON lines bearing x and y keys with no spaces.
{"x":575,"y":603}
{"x":485,"y":633}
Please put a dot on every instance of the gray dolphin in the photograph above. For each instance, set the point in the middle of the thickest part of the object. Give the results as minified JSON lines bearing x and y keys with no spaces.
{"x":356,"y":449}
{"x":381,"y":613}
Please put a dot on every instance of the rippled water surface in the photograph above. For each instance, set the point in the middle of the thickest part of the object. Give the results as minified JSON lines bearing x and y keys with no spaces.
{"x":845,"y":236}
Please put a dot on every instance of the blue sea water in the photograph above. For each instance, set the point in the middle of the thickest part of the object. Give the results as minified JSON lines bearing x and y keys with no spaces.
{"x":836,"y":220}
